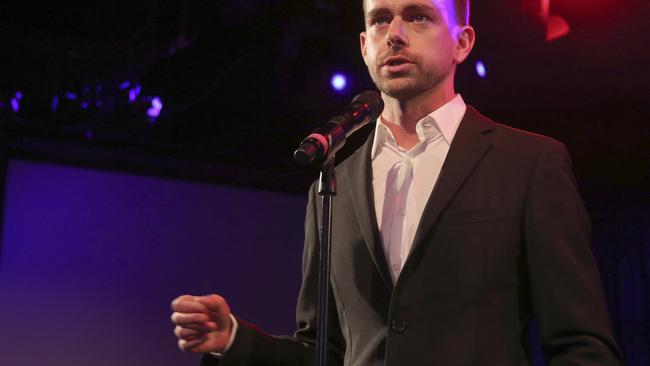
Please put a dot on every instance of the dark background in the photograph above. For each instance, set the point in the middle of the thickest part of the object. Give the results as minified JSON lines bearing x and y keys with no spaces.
{"x":243,"y":81}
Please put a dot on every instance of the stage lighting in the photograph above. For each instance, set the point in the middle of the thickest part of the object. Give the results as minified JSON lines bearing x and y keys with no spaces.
{"x":481,"y":71}
{"x":156,"y":108}
{"x":556,"y":26}
{"x":71,"y":96}
{"x":339,"y":82}
{"x":134,"y":93}
{"x":15,"y":106}
{"x":55,"y":103}
{"x":15,"y":101}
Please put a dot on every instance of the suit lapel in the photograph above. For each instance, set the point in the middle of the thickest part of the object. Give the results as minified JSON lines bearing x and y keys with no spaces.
{"x":359,"y":178}
{"x":468,"y":147}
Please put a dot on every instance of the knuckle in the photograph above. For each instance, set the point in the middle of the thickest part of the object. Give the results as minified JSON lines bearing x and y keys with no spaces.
{"x":175,"y":302}
{"x":188,"y":333}
{"x":216,"y":299}
{"x":188,"y":337}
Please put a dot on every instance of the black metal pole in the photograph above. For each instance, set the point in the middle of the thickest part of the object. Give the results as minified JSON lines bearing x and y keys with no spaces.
{"x":327,"y":190}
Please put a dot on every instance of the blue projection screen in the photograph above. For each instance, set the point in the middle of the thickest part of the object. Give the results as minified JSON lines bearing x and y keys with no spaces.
{"x":90,"y":261}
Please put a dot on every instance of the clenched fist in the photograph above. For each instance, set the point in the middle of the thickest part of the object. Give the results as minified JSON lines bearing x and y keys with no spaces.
{"x":203,"y":323}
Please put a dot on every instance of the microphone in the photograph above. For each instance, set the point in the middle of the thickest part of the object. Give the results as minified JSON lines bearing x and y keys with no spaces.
{"x":329,"y":138}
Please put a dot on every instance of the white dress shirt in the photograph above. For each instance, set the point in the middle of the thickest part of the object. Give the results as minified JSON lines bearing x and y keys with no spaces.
{"x":403,"y":180}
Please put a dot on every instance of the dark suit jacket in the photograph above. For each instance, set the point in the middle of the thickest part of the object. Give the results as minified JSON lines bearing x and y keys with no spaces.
{"x":504,"y":237}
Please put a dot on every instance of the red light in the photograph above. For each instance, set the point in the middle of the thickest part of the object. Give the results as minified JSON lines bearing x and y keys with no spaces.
{"x":556,"y":26}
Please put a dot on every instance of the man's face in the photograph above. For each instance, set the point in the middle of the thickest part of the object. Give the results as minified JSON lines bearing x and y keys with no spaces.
{"x":409,"y":46}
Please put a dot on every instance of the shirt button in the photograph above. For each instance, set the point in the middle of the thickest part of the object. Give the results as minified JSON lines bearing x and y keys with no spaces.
{"x":398,"y":325}
{"x":402,"y":213}
{"x":395,"y":267}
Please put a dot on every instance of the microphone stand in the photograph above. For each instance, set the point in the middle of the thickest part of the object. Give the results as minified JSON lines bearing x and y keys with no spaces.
{"x":326,"y":142}
{"x":327,"y":190}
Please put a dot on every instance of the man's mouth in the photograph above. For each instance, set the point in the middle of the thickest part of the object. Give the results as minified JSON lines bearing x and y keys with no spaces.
{"x":397,"y":64}
{"x":396,"y":61}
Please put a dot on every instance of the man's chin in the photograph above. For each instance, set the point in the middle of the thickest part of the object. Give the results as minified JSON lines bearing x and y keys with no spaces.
{"x":400,"y":89}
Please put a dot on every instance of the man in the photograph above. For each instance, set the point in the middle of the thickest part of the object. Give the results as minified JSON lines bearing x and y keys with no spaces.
{"x":451,"y":231}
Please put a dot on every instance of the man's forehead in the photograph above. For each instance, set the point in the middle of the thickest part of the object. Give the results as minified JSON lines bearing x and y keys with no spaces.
{"x":445,"y":7}
{"x":370,"y":5}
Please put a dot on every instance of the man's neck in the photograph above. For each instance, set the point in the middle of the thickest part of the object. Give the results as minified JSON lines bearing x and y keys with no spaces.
{"x":402,"y":116}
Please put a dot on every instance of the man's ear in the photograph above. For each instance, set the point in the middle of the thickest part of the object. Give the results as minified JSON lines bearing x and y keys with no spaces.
{"x":466,"y":37}
{"x":362,"y":41}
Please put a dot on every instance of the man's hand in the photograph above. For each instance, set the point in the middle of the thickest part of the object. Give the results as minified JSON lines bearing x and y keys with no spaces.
{"x":203,"y":323}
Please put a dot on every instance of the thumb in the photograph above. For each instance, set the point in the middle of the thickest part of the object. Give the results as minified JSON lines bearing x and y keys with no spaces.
{"x":219,"y":310}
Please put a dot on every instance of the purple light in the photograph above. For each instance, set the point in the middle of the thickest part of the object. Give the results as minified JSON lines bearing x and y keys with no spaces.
{"x":15,"y":106}
{"x":84,"y":105}
{"x":156,"y":108}
{"x":157,"y":103}
{"x":89,"y":135}
{"x":125,"y":85}
{"x":19,"y":95}
{"x":481,"y":70}
{"x":339,"y":82}
{"x":134,"y":93}
{"x":71,"y":95}
{"x":55,"y":103}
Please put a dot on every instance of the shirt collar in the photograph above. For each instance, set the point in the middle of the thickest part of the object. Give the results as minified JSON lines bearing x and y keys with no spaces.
{"x":445,"y":120}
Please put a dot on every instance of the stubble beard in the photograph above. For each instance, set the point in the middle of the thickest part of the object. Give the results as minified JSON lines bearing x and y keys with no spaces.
{"x":408,"y":85}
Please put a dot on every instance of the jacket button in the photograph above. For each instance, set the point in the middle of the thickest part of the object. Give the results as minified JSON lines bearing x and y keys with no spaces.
{"x":398,"y":325}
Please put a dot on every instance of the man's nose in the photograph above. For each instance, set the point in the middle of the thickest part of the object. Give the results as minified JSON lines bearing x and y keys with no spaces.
{"x":396,"y":37}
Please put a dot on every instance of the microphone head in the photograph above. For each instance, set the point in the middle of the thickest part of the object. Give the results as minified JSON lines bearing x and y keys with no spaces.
{"x":373,"y":102}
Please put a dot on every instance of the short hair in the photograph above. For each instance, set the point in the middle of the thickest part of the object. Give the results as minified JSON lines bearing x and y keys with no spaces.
{"x":461,"y":10}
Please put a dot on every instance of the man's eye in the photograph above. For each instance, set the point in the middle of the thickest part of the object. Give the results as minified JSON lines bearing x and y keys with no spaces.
{"x":420,"y":19}
{"x":380,"y":21}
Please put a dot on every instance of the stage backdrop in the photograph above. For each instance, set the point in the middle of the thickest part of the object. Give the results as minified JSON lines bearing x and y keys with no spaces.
{"x":90,"y":261}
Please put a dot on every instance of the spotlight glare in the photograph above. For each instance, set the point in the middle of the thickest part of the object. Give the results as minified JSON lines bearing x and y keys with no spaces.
{"x":339,"y":82}
{"x":55,"y":103}
{"x":156,"y":107}
{"x":71,"y":95}
{"x":15,"y":106}
{"x":134,"y":93}
{"x":481,"y":70}
{"x":156,"y":103}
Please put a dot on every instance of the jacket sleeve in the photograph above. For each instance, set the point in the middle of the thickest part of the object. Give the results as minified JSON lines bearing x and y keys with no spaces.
{"x":566,"y":292}
{"x":253,"y":347}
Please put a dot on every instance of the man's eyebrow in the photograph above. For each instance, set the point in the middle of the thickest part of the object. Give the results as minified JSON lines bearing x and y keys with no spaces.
{"x":417,"y":8}
{"x":377,"y":11}
{"x":414,"y":8}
